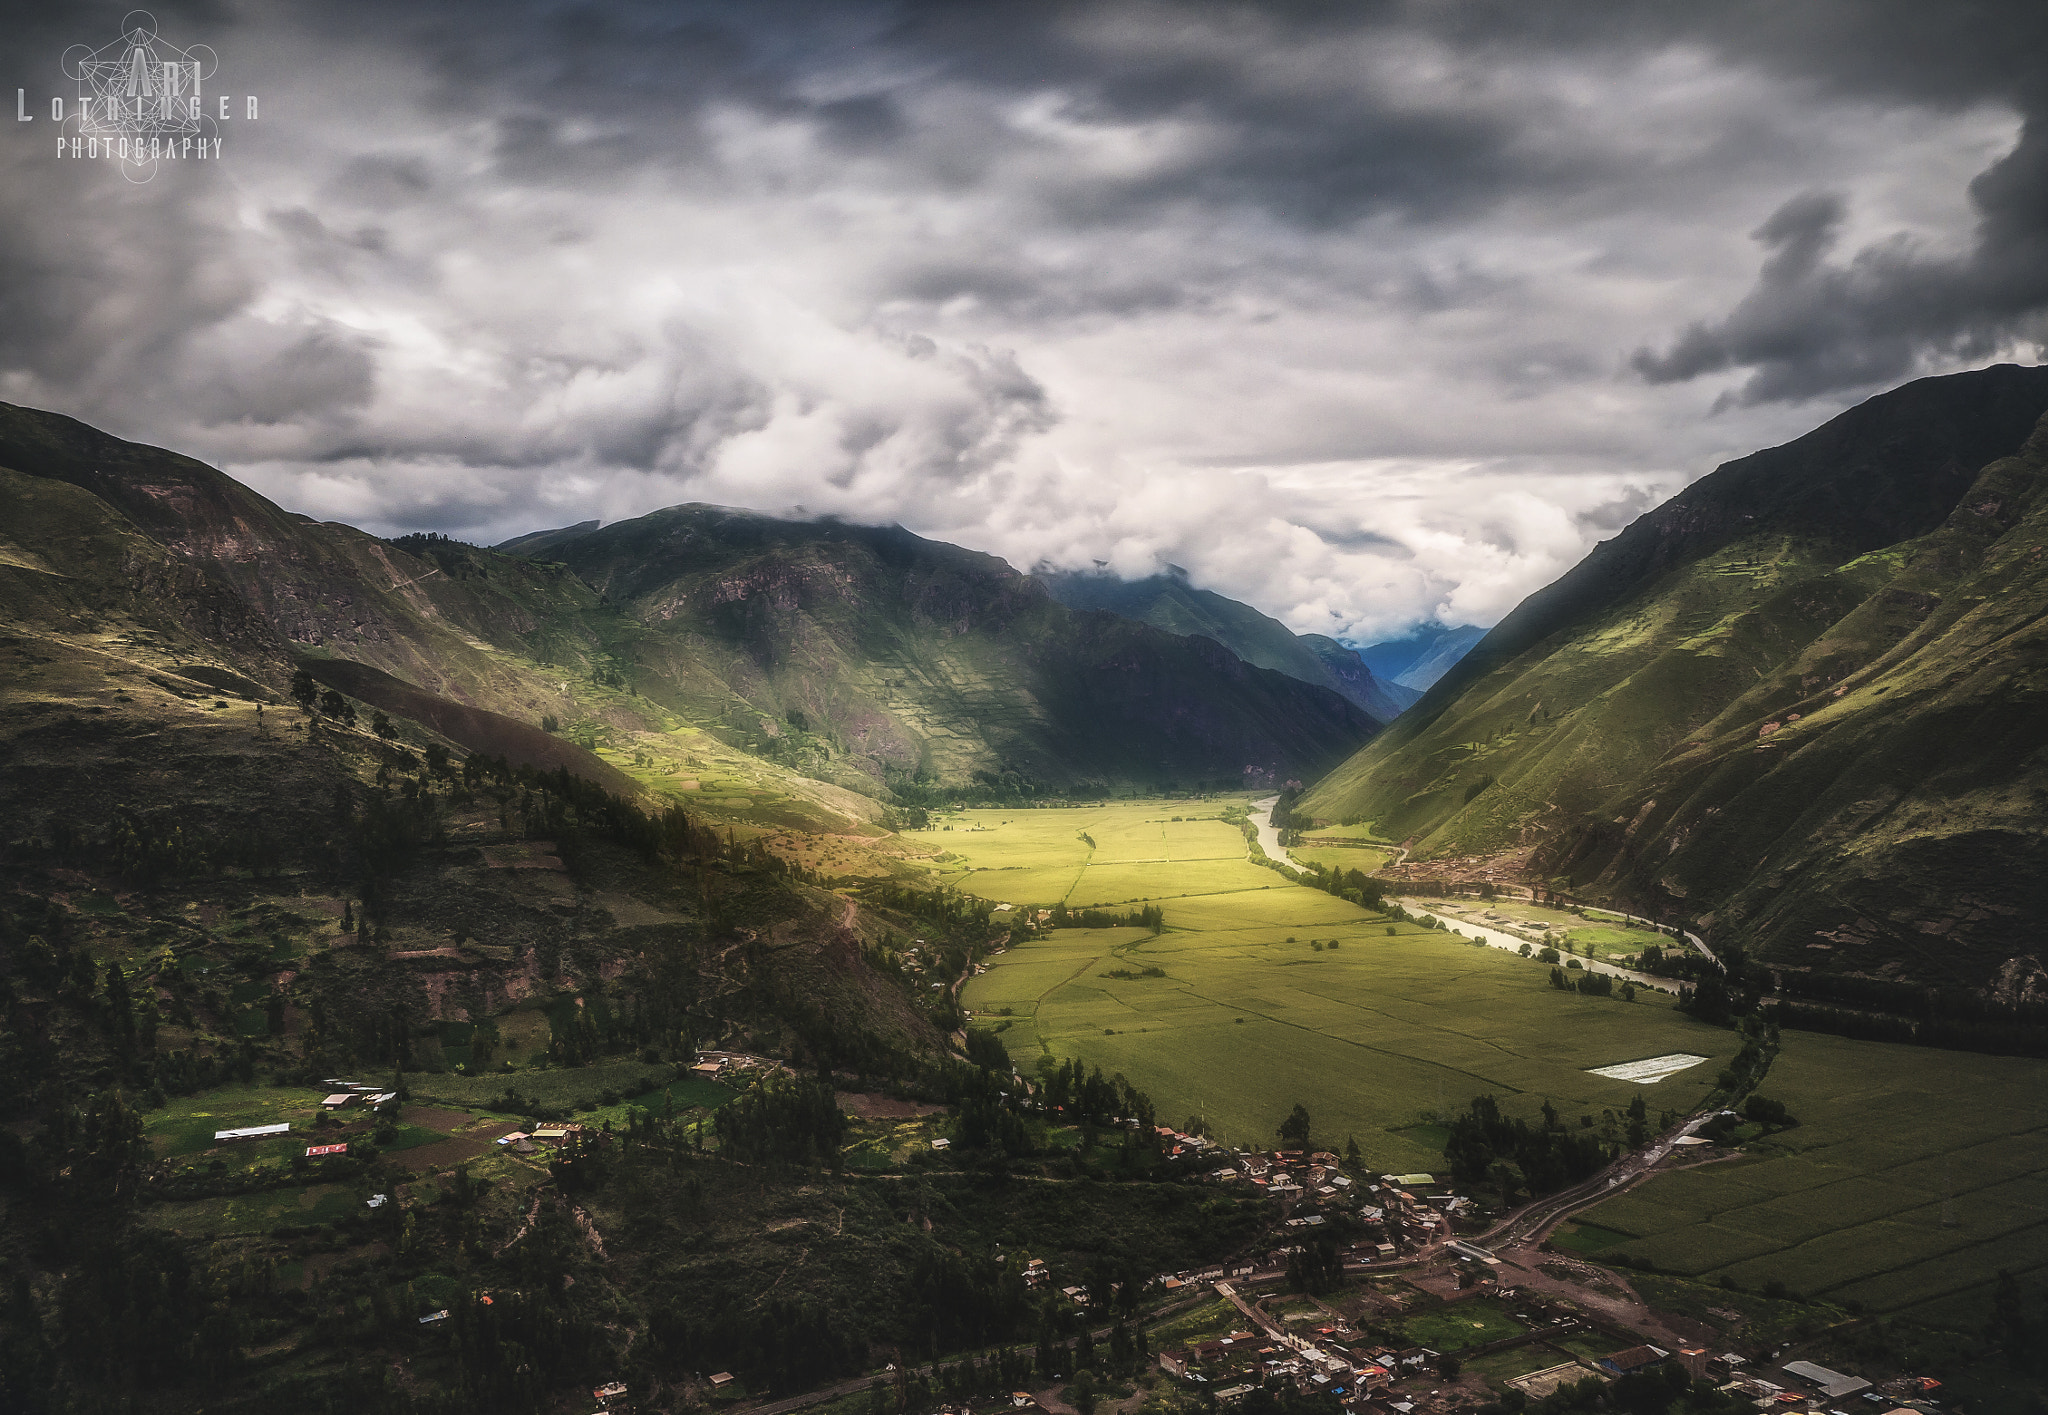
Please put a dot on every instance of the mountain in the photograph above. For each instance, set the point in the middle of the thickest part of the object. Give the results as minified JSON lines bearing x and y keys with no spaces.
{"x":1800,"y":703}
{"x":926,"y":666}
{"x":1417,"y":660}
{"x":1169,"y":602}
{"x":829,"y":665}
{"x":1344,"y":664}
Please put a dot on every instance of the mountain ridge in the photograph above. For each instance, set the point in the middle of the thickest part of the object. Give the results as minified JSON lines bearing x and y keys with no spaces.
{"x":1662,"y":724}
{"x":1168,"y":601}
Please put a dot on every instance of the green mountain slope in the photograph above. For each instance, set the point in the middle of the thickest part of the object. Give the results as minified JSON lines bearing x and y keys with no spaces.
{"x":1169,"y":602}
{"x":925,"y":666}
{"x":798,"y":673}
{"x":1801,"y":702}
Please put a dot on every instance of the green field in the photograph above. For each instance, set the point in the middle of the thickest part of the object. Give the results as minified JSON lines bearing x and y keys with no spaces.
{"x":1343,"y":857}
{"x":187,"y":1124}
{"x":1139,"y":852}
{"x":1849,"y":1205}
{"x":1372,"y":1035}
{"x":256,"y":1213}
{"x":547,"y":1086}
{"x":1460,"y":1325}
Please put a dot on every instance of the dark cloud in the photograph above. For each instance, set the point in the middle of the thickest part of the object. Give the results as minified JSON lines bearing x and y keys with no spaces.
{"x":1320,"y":300}
{"x":1812,"y":327}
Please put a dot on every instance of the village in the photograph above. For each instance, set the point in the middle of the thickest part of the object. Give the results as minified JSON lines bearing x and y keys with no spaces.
{"x":1379,"y":1291}
{"x":1424,"y":1321}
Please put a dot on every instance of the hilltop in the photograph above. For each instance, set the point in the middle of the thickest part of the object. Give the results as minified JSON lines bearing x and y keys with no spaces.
{"x":1800,"y":703}
{"x":921,"y":667}
{"x":1169,"y":602}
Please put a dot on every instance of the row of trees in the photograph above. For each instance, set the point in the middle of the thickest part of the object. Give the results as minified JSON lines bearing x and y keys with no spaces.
{"x":1547,"y":1157}
{"x":1149,"y":916}
{"x":789,"y":1120}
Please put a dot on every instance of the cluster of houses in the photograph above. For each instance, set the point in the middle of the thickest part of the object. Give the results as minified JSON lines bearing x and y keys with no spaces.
{"x":1395,"y":1207}
{"x":1327,"y":1360}
{"x":1368,"y":1376}
{"x":720,"y":1065}
{"x":527,"y":1142}
{"x":1794,"y":1388}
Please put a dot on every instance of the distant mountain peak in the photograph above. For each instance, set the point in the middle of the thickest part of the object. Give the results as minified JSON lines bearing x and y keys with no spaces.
{"x":1169,"y":600}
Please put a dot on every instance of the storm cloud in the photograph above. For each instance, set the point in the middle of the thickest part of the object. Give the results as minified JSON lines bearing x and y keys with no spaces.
{"x":1365,"y":314}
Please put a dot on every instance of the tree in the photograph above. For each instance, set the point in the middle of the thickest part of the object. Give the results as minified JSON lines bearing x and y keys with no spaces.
{"x":333,"y":704}
{"x":304,"y":690}
{"x":1352,"y":1159}
{"x":381,"y":725}
{"x":1294,"y":1130}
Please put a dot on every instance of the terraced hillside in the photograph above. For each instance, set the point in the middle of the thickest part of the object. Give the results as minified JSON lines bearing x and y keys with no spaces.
{"x":1801,"y":702}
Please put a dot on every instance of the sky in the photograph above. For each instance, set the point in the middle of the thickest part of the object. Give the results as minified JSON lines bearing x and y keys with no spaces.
{"x":1367,"y":314}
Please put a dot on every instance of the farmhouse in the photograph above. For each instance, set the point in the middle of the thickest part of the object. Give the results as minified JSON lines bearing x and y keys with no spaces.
{"x":1635,"y":1358}
{"x":1832,"y":1384}
{"x":252,"y":1132}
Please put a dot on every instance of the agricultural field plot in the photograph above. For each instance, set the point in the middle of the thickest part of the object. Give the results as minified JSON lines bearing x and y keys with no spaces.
{"x":1915,"y":1176}
{"x":1127,"y":884}
{"x":187,"y":1124}
{"x":1374,"y":1035}
{"x":554,"y":1088}
{"x":1139,"y":851}
{"x":1044,"y":886}
{"x":1343,"y":857}
{"x":256,"y":1213}
{"x":1460,"y":1325}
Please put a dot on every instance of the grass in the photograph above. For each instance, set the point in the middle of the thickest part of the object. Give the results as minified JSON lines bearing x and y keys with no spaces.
{"x":1213,"y":1317}
{"x":186,"y":1125}
{"x":1504,"y":1366}
{"x":1460,"y":1325}
{"x":1372,"y":1036}
{"x":1848,"y":1206}
{"x":255,"y":1213}
{"x":1343,"y":857}
{"x":1586,"y":1239}
{"x":687,"y":1092}
{"x":1138,"y":851}
{"x":550,"y":1087}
